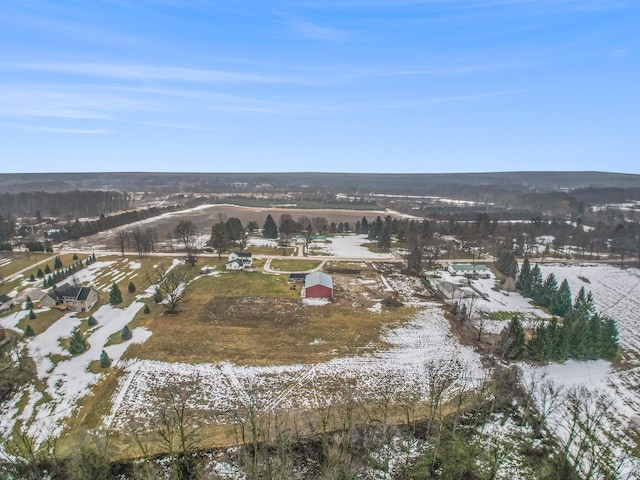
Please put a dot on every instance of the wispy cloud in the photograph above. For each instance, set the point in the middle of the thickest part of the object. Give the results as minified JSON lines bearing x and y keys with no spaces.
{"x":148,"y":72}
{"x":306,"y":29}
{"x":50,"y":129}
{"x":67,"y":102}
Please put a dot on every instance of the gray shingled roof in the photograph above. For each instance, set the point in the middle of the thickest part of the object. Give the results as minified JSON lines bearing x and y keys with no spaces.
{"x":318,"y":278}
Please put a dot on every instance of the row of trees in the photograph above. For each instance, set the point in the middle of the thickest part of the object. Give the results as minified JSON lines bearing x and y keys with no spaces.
{"x":583,"y":334}
{"x":76,"y":203}
{"x":442,"y":437}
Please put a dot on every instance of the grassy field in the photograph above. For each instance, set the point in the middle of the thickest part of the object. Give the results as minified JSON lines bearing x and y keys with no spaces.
{"x":252,"y":318}
{"x":294,"y":265}
{"x":42,"y":321}
{"x":21,"y":261}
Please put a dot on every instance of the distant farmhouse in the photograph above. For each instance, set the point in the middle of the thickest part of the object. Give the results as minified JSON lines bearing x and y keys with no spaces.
{"x":239,"y":261}
{"x":318,"y":285}
{"x":467,"y":269}
{"x":73,"y":297}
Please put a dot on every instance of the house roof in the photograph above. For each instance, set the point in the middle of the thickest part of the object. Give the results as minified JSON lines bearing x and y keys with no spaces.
{"x":318,"y":278}
{"x":297,"y":275}
{"x":243,"y":254}
{"x":236,"y":261}
{"x":71,"y":291}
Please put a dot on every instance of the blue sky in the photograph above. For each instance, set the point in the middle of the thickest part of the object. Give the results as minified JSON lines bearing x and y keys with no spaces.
{"x":312,"y":85}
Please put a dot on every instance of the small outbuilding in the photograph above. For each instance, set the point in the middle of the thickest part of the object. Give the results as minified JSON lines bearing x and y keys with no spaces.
{"x":318,"y":285}
{"x":297,"y":277}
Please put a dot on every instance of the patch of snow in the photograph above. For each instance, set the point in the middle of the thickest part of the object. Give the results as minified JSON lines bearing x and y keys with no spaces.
{"x":316,"y":302}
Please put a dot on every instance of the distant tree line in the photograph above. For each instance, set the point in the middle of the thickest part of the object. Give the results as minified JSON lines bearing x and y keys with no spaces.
{"x":76,"y":203}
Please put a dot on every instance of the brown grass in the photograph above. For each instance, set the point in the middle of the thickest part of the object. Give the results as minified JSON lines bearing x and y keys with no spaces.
{"x":294,"y":265}
{"x":252,"y":318}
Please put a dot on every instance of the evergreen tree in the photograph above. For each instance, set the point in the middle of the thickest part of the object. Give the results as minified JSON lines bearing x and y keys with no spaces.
{"x":507,"y":264}
{"x":32,"y":278}
{"x":561,"y":300}
{"x":77,"y":344}
{"x":131,"y":287}
{"x":146,"y":309}
{"x":40,"y":273}
{"x":105,"y":361}
{"x":29,"y":332}
{"x":45,"y":284}
{"x":126,"y":333}
{"x":270,"y":229}
{"x":50,"y":281}
{"x":47,"y":269}
{"x":28,"y":303}
{"x":75,"y":257}
{"x":91,"y":321}
{"x":549,"y":287}
{"x":608,"y":338}
{"x":512,"y":340}
{"x":32,"y":315}
{"x":524,"y":279}
{"x":535,"y":284}
{"x":57,"y":263}
{"x":583,"y":302}
{"x":115,"y":295}
{"x":364,"y":225}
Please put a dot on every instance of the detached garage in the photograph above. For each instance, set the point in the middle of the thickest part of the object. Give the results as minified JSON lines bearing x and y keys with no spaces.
{"x":318,"y":285}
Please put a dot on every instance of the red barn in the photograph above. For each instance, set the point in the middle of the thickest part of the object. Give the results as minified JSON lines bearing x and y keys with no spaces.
{"x":318,"y":285}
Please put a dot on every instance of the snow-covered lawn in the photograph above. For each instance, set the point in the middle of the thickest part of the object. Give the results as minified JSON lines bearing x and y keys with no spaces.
{"x":219,"y":390}
{"x":348,"y":246}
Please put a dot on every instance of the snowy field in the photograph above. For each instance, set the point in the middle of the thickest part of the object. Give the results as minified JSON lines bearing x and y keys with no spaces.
{"x":348,"y":246}
{"x":220,"y":391}
{"x":66,"y":379}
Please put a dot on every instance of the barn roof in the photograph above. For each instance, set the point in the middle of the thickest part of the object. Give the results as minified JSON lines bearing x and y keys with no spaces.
{"x":318,"y":278}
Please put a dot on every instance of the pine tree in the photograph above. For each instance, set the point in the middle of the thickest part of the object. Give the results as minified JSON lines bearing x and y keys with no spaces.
{"x":32,"y":315}
{"x":115,"y":295}
{"x":535,"y":284}
{"x":29,"y":332}
{"x":50,"y":281}
{"x":47,"y":269}
{"x":512,"y":340}
{"x":549,"y":287}
{"x":28,"y":303}
{"x":40,"y":273}
{"x":131,"y":287}
{"x":270,"y":229}
{"x":91,"y":321}
{"x":561,"y":300}
{"x":508,"y":264}
{"x":32,"y":278}
{"x":126,"y":333}
{"x":57,"y":263}
{"x":146,"y":309}
{"x":75,"y":257}
{"x":105,"y":361}
{"x":45,"y":284}
{"x":77,"y":344}
{"x":524,"y":279}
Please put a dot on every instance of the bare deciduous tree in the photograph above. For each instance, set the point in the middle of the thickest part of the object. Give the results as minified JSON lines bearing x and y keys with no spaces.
{"x":172,"y":287}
